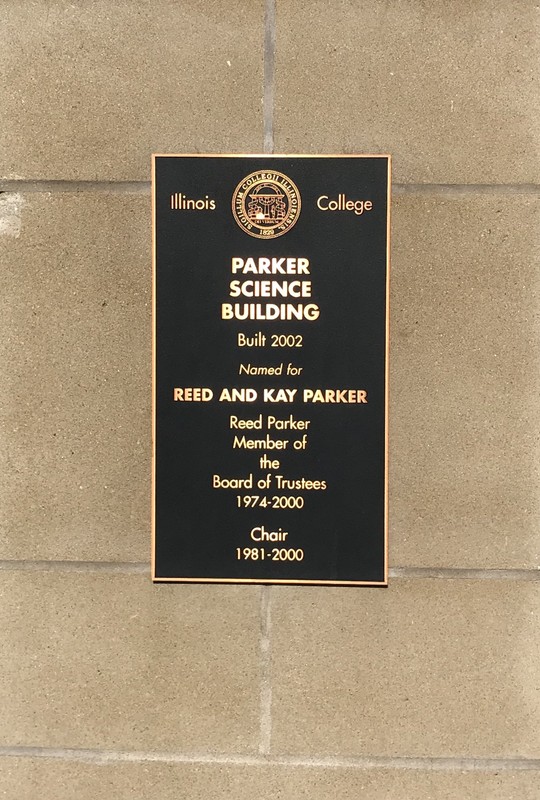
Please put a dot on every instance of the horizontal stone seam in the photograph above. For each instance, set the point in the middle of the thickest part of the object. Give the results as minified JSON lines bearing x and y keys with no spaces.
{"x":51,"y":186}
{"x":143,"y":187}
{"x":142,"y":567}
{"x":466,"y":573}
{"x":466,"y":188}
{"x":104,"y":757}
{"x":129,"y":567}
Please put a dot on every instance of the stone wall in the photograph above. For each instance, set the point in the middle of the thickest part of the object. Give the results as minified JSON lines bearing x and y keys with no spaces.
{"x":113,"y":688}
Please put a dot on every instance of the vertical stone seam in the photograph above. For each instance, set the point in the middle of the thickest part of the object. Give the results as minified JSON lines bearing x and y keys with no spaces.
{"x":268,"y":74}
{"x":265,"y":730}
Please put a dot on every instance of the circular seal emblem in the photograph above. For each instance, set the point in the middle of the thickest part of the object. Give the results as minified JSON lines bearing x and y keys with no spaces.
{"x":266,"y":204}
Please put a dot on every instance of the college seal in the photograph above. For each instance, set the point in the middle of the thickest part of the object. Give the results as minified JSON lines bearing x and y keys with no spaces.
{"x":266,"y":204}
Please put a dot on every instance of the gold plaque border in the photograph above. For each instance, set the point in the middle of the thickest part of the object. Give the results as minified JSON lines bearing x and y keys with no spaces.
{"x":255,"y":581}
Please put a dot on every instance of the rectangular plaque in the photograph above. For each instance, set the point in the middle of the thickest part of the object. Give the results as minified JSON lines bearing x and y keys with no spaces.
{"x":270,"y":363}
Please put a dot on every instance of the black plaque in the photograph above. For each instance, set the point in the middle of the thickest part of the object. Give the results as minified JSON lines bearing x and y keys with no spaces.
{"x":270,"y":369}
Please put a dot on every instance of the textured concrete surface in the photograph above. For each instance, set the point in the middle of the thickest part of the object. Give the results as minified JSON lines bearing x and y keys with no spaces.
{"x":75,"y":294}
{"x":451,"y":90}
{"x":109,"y":661}
{"x":465,"y":349}
{"x":28,"y":778}
{"x":89,"y":90}
{"x":205,"y":691}
{"x":425,"y":668}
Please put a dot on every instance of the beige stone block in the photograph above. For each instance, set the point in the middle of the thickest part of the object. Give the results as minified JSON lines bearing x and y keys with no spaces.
{"x":89,"y":90}
{"x":24,"y":779}
{"x":113,"y":662}
{"x":452,"y":90}
{"x":426,"y":668}
{"x":464,"y":412}
{"x":75,"y":394}
{"x":75,"y":389}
